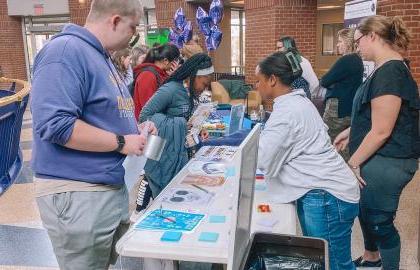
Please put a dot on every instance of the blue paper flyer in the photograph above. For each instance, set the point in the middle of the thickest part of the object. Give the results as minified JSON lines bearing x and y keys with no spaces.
{"x":165,"y":220}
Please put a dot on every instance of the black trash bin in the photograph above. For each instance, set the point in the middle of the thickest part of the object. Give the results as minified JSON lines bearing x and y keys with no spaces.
{"x":268,"y":251}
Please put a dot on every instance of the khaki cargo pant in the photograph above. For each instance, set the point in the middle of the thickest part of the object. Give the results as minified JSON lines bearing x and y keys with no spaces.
{"x":336,"y":124}
{"x":84,"y":226}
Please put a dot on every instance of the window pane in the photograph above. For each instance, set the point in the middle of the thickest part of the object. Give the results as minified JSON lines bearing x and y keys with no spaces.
{"x":151,"y":17}
{"x":329,"y":38}
{"x":237,"y":40}
{"x":29,"y":46}
{"x":235,"y":43}
{"x":234,"y":17}
{"x":243,"y":46}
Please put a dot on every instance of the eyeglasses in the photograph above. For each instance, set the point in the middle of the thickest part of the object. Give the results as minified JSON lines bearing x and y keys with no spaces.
{"x":357,"y":41}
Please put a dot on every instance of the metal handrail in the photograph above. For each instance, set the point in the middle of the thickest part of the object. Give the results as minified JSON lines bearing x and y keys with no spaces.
{"x":19,"y":95}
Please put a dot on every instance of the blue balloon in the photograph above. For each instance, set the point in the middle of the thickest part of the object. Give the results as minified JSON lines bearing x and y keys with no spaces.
{"x":179,"y":19}
{"x":216,"y":11}
{"x":176,"y":39}
{"x":203,"y":21}
{"x":188,"y":32}
{"x":209,"y":44}
{"x":216,"y":36}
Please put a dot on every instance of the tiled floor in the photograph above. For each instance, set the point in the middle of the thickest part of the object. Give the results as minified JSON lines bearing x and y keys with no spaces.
{"x":24,"y":244}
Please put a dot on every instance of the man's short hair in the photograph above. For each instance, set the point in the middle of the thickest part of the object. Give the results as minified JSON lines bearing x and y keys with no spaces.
{"x":101,"y":8}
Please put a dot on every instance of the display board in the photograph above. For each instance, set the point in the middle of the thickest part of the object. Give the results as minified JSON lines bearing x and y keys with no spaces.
{"x":249,"y":159}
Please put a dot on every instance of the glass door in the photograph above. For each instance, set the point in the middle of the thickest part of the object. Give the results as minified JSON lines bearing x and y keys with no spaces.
{"x":37,"y":32}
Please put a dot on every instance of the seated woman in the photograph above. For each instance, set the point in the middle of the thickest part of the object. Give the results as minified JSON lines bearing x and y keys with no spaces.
{"x":170,"y":108}
{"x":300,"y":163}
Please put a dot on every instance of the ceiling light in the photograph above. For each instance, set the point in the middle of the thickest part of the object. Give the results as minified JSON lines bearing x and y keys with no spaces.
{"x":329,"y":7}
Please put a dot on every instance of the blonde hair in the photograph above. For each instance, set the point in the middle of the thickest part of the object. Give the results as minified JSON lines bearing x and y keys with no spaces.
{"x":196,"y":38}
{"x":136,"y":52}
{"x":117,"y":58}
{"x":124,"y":8}
{"x":347,"y":35}
{"x":189,"y":50}
{"x":392,"y":30}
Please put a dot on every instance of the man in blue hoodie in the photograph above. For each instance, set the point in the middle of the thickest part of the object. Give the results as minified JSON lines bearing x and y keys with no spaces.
{"x":83,"y":127}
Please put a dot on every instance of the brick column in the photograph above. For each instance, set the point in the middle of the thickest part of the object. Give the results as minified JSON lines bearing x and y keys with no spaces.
{"x":79,"y":11}
{"x":12,"y":51}
{"x":409,"y":10}
{"x":267,"y":20}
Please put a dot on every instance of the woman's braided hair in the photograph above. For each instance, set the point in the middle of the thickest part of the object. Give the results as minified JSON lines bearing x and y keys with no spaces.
{"x":189,"y":70}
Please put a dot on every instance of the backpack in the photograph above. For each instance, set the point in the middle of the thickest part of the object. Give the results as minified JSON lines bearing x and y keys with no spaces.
{"x":132,"y":85}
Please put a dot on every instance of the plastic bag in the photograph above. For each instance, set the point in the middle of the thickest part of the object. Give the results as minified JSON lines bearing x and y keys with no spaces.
{"x":133,"y":166}
{"x":276,"y":262}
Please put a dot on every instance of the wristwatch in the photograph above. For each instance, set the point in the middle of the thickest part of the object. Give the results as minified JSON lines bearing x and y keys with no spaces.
{"x":120,"y":142}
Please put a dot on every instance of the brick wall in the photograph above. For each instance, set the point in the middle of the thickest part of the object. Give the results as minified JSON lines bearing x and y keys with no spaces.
{"x":12,"y":52}
{"x":409,"y":10}
{"x":165,"y":10}
{"x":267,"y":20}
{"x":79,"y":11}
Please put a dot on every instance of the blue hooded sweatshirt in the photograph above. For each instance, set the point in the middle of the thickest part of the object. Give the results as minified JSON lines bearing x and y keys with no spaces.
{"x":74,"y":78}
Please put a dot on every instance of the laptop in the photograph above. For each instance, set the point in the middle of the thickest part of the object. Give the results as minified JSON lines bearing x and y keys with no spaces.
{"x":237,"y":113}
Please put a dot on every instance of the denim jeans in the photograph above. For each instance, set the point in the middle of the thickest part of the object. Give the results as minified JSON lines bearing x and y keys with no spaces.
{"x":323,"y":215}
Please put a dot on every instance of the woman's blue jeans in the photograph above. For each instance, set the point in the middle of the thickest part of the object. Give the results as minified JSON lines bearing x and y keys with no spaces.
{"x":323,"y":215}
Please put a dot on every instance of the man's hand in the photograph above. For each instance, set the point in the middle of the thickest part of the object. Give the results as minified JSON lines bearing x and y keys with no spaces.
{"x":134,"y":144}
{"x":148,"y":127}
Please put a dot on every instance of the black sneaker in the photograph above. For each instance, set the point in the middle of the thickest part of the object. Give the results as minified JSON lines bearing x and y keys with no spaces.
{"x":359,"y":262}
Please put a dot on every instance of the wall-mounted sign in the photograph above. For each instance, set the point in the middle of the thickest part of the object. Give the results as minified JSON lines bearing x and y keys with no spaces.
{"x":37,"y":7}
{"x":355,"y":11}
{"x":45,"y":28}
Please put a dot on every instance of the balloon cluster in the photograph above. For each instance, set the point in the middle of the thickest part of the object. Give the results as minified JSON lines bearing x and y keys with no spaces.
{"x":208,"y":24}
{"x":182,"y":32}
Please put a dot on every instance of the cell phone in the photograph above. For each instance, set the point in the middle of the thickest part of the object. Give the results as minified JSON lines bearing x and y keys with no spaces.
{"x":180,"y":60}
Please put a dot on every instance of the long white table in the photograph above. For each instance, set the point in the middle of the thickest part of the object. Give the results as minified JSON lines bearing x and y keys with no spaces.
{"x":147,"y":244}
{"x":285,"y":214}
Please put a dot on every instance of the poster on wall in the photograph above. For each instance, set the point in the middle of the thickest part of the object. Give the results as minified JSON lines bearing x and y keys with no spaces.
{"x":354,"y":12}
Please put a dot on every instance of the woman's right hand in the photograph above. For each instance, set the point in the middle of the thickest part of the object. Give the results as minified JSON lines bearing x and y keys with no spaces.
{"x":174,"y":66}
{"x":342,"y":140}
